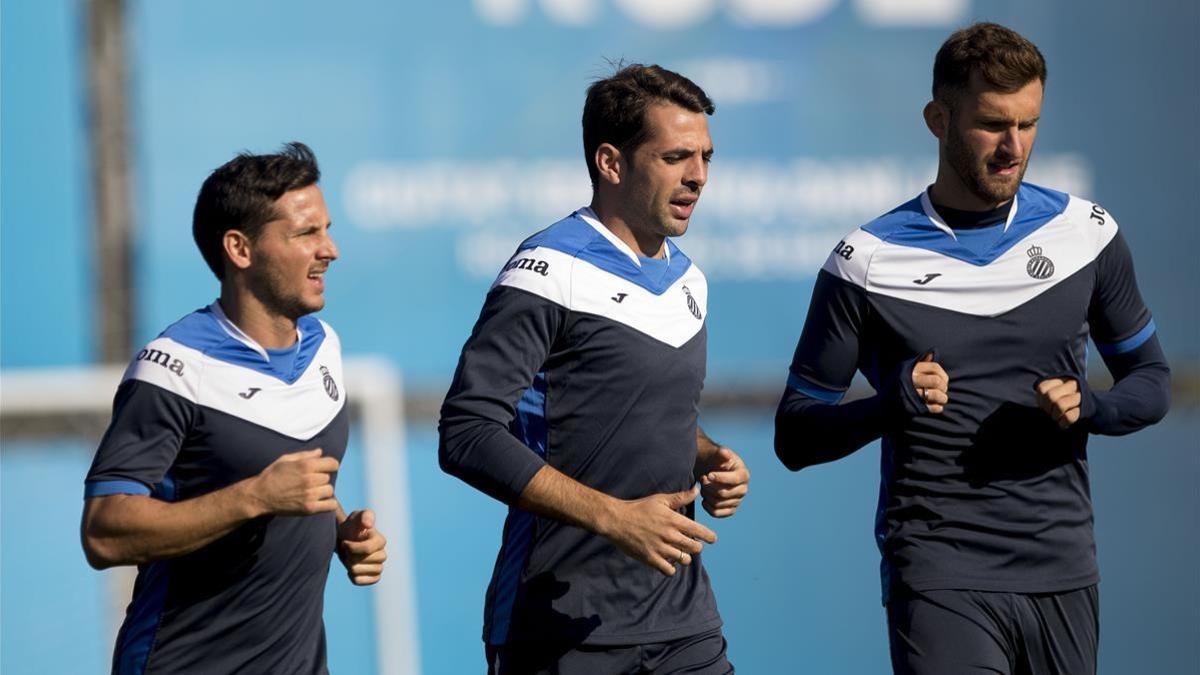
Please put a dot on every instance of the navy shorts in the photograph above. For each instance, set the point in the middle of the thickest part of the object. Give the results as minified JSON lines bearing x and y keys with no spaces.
{"x":702,"y":654}
{"x":955,"y":632}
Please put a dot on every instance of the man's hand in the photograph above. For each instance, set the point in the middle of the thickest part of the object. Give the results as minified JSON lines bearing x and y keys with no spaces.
{"x":653,"y":531}
{"x":932,"y":384}
{"x":296,"y":484}
{"x":1060,"y":398}
{"x":725,"y":484}
{"x":361,"y":548}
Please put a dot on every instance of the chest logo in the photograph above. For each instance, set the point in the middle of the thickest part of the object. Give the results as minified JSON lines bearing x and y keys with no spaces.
{"x":692,"y":305}
{"x":330,"y":385}
{"x":1039,"y":266}
{"x":928,"y":278}
{"x":619,"y":297}
{"x":249,"y":393}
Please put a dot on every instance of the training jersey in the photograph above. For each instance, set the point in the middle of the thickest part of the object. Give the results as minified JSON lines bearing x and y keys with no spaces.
{"x":990,"y":494}
{"x":200,"y":408}
{"x":582,"y":361}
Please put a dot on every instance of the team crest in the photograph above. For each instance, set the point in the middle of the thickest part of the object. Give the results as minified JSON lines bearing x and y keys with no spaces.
{"x":1039,"y":266}
{"x":693,"y":306}
{"x":330,"y":385}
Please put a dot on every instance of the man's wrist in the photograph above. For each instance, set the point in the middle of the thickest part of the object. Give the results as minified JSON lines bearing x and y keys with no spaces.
{"x":605,"y":515}
{"x":246,"y":498}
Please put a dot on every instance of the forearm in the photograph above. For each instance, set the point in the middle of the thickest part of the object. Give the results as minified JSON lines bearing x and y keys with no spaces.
{"x":809,"y":431}
{"x":1139,"y":397}
{"x":136,"y":529}
{"x":555,"y":495}
{"x":706,"y":450}
{"x":486,"y":456}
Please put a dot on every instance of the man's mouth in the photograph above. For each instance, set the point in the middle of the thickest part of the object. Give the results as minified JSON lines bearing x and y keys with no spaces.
{"x":682,"y":206}
{"x":1004,"y":167}
{"x":317,"y":278}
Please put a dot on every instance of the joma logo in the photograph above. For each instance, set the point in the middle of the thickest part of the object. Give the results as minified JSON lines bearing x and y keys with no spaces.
{"x":161,"y":358}
{"x":531,"y":264}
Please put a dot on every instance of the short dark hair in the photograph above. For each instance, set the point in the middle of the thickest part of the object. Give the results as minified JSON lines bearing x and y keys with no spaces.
{"x":240,"y":195}
{"x":615,"y":110}
{"x":1006,"y":61}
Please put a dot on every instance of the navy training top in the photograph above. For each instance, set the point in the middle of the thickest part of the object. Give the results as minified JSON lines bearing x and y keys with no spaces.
{"x":200,"y":408}
{"x":583,"y":361}
{"x":990,"y":494}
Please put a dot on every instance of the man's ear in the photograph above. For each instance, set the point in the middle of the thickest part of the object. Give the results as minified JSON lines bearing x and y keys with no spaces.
{"x":610,"y":164}
{"x":937,"y":118}
{"x":237,"y":248}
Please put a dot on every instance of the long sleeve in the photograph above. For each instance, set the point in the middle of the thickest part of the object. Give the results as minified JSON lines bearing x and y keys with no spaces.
{"x":811,"y":426}
{"x":1125,"y":336}
{"x":499,"y":363}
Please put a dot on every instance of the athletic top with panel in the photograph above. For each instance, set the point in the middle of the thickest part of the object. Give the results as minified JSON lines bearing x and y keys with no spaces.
{"x":200,"y":408}
{"x":990,"y":494}
{"x":584,"y":360}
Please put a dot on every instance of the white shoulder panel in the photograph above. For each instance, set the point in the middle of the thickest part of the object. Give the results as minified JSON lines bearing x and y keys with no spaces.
{"x":542,"y":271}
{"x":1096,"y":226}
{"x":851,"y":257}
{"x":299,"y":410}
{"x":168,"y":364}
{"x":672,"y":317}
{"x":1052,"y":253}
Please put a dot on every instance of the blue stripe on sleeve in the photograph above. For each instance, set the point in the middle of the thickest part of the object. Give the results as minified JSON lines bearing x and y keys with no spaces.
{"x":103,"y":488}
{"x":1128,"y":344}
{"x":813,"y":391}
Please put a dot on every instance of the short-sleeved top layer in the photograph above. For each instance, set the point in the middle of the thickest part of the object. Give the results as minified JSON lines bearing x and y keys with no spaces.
{"x":201,"y":408}
{"x":989,"y":495}
{"x":584,"y":361}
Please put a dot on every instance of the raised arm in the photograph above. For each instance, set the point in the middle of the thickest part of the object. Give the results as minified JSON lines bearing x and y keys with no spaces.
{"x":130,"y":513}
{"x":1126,"y":337}
{"x":131,"y":529}
{"x":812,"y":426}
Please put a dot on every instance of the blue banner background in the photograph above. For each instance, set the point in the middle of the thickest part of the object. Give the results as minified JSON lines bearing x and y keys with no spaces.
{"x":447,"y":131}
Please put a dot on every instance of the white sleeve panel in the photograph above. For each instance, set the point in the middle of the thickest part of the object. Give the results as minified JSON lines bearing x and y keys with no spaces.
{"x":545,"y":272}
{"x":851,"y":257}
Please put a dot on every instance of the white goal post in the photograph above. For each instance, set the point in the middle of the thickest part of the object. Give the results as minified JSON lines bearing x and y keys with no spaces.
{"x":377,"y":404}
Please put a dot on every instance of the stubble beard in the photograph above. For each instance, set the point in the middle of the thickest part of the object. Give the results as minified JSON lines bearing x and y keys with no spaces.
{"x":270,"y":290}
{"x":972,"y":171}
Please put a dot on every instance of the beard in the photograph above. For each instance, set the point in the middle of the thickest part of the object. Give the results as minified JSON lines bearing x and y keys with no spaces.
{"x":272,"y":290}
{"x":973,"y":172}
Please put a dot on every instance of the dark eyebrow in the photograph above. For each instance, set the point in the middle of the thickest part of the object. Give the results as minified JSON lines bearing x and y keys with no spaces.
{"x":1000,"y":119}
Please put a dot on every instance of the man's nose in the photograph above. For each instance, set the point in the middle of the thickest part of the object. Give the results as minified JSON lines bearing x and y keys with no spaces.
{"x":697,"y":173}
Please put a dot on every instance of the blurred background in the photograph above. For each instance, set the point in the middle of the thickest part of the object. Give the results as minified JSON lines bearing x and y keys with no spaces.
{"x":448,"y":131}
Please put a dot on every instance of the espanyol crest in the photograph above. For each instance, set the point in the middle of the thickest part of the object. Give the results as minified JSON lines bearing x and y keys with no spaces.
{"x":692,"y":305}
{"x":1039,"y":266}
{"x":330,"y":385}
